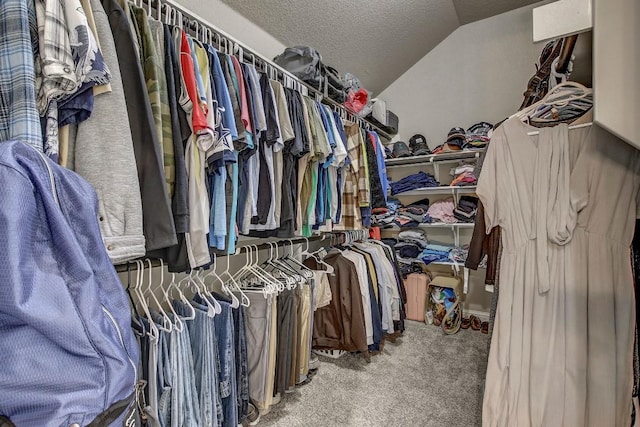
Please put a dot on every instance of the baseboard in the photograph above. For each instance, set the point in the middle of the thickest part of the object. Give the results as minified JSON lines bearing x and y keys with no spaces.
{"x":483,"y":315}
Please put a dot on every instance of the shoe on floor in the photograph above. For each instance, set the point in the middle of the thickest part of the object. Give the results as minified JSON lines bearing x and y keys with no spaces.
{"x":314,"y":362}
{"x":253,"y":418}
{"x":276,"y":399}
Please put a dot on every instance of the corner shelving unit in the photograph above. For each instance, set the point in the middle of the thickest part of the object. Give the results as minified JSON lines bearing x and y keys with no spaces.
{"x":434,"y":164}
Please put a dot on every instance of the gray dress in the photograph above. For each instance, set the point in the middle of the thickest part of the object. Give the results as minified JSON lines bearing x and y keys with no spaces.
{"x":561,"y":354}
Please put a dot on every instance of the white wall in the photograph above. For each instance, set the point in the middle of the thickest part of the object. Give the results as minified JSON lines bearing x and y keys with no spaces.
{"x":237,"y":26}
{"x":478,"y":73}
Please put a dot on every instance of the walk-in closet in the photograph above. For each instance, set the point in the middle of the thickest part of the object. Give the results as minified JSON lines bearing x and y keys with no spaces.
{"x":225,"y":213}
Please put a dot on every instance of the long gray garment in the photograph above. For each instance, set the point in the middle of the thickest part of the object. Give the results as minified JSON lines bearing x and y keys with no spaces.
{"x":562,"y":348}
{"x":258,"y":340}
{"x":103,"y":152}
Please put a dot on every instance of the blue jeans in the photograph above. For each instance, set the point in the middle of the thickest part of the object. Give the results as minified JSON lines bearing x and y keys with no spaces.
{"x":164,"y":380}
{"x":203,"y":348}
{"x":226,"y":355}
{"x":242,"y":367}
{"x":184,"y":397}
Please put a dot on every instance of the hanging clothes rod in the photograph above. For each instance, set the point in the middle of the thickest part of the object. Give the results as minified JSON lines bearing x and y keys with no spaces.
{"x":243,"y":247}
{"x":197,"y":23}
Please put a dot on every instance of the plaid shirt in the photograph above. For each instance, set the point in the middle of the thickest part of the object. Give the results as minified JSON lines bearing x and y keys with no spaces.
{"x":356,"y":189}
{"x":56,"y":76}
{"x":19,"y":118}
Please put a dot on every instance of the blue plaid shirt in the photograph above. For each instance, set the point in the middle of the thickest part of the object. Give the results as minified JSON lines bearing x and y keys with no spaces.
{"x":19,"y":118}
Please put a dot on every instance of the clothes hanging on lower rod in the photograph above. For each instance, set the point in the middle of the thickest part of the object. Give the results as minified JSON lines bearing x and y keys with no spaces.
{"x":365,"y":275}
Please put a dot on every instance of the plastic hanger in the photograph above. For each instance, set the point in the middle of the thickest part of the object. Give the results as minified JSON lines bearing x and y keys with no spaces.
{"x":559,"y":96}
{"x":178,"y":325}
{"x":286,"y":272}
{"x":153,"y":329}
{"x":328,"y":268}
{"x":166,"y":326}
{"x":246,"y":270}
{"x":273,"y":285}
{"x":306,"y":271}
{"x":183,"y":298}
{"x":235,"y":302}
{"x":212,"y":303}
{"x":245,"y":301}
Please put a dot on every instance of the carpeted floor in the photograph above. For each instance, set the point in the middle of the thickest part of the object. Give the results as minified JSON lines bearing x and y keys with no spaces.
{"x":425,"y":379}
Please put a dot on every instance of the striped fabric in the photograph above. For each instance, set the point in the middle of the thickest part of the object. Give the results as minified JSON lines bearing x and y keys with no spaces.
{"x":19,"y":119}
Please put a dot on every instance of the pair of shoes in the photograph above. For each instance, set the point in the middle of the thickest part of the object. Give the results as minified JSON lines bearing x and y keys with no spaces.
{"x":253,"y":417}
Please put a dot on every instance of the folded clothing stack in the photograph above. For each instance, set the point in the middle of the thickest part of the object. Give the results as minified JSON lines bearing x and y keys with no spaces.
{"x":435,"y":253}
{"x":416,"y":213}
{"x":382,"y":217}
{"x":413,"y":236}
{"x":464,"y":175}
{"x":410,"y":245}
{"x":442,"y":211}
{"x":466,"y":209}
{"x":412,"y":182}
{"x":475,"y":138}
{"x":459,"y":255}
{"x":478,"y":135}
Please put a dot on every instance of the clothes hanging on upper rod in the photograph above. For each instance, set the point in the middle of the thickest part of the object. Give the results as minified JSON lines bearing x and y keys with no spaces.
{"x":187,"y":146}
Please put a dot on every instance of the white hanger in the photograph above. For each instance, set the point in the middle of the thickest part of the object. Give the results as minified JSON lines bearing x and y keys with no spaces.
{"x":246,"y":269}
{"x":183,"y":298}
{"x":273,"y":284}
{"x":328,"y":268}
{"x":153,"y":329}
{"x":178,"y":325}
{"x":206,"y":293}
{"x":306,"y":271}
{"x":235,"y":303}
{"x":166,"y":326}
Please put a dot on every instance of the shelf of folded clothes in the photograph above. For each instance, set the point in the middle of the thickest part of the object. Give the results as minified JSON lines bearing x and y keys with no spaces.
{"x":462,"y":189}
{"x":453,"y":264}
{"x":428,"y":158}
{"x":447,"y":225}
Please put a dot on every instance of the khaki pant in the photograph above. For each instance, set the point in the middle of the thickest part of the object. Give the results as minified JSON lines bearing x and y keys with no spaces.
{"x":305,"y":331}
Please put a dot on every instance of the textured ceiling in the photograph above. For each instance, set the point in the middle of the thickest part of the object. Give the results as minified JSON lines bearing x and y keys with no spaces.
{"x":375,"y":40}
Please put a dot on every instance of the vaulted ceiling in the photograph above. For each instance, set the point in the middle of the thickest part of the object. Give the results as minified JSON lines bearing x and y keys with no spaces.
{"x":377,"y":40}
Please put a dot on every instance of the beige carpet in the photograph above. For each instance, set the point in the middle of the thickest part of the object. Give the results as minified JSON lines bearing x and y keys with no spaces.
{"x":425,"y":379}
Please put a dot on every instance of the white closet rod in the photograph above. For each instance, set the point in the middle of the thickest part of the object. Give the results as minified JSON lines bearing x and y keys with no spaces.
{"x":583,"y":125}
{"x":195,"y":17}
